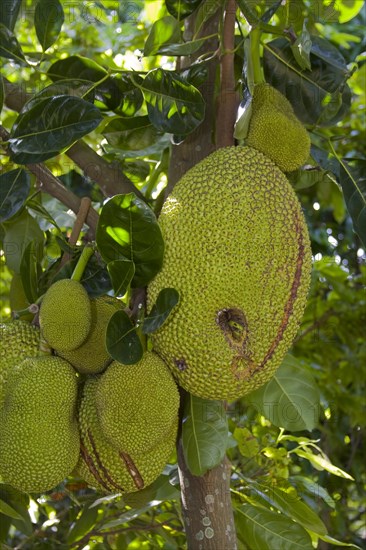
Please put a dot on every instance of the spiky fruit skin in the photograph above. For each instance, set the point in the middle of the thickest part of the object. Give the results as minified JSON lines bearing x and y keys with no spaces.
{"x":18,"y":340}
{"x":137,"y":405}
{"x":275,"y":130}
{"x":92,"y":356}
{"x":107,"y":467}
{"x":238,"y":252}
{"x":39,"y":438}
{"x":65,"y":315}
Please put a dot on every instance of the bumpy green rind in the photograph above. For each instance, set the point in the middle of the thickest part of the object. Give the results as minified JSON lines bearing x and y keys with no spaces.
{"x":65,"y":315}
{"x":18,"y":340}
{"x":111,"y":470}
{"x":238,"y":252}
{"x":275,"y":130}
{"x":92,"y":356}
{"x":137,"y":405}
{"x":39,"y":439}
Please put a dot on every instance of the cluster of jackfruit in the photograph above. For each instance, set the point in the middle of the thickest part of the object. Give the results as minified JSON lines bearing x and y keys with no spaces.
{"x":238,"y":252}
{"x":116,"y":429}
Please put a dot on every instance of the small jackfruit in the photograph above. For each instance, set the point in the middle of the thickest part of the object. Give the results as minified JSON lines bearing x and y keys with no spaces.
{"x":18,"y":340}
{"x":108,"y":468}
{"x":92,"y":356}
{"x":18,"y":299}
{"x":65,"y":315}
{"x":39,"y":438}
{"x":137,"y":405}
{"x":237,"y":250}
{"x":275,"y":130}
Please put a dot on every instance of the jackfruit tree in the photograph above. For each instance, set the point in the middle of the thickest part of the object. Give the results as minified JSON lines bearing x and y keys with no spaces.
{"x":182,"y":231}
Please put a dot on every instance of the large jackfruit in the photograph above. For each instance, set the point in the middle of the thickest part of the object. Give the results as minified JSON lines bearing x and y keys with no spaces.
{"x":137,"y":405}
{"x":275,"y":130}
{"x":65,"y":315}
{"x":92,"y":356}
{"x":18,"y":340}
{"x":39,"y":438}
{"x":238,"y":252}
{"x":107,"y":467}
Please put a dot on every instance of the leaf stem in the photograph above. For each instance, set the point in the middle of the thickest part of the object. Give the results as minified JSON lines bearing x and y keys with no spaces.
{"x":85,"y":256}
{"x":255,"y":74}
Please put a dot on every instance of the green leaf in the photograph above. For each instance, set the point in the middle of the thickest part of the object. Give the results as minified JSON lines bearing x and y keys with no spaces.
{"x":207,"y":9}
{"x":322,"y":463}
{"x":247,"y":443}
{"x":8,"y":16}
{"x":290,"y":399}
{"x":353,"y":182}
{"x":2,"y":93}
{"x":121,"y":273}
{"x":181,"y":8}
{"x":318,"y":96}
{"x":7,"y":510}
{"x":130,"y":134}
{"x":173,"y":105}
{"x":266,"y":530}
{"x":30,"y":271}
{"x":14,"y":189}
{"x":122,"y":341}
{"x":51,"y":126}
{"x":204,"y":434}
{"x":18,"y":234}
{"x":183,"y":49}
{"x":336,"y":542}
{"x":164,"y":31}
{"x":69,"y":87}
{"x":167,"y":300}
{"x":48,"y":21}
{"x":289,"y":503}
{"x":128,"y":229}
{"x":9,"y":46}
{"x":130,"y":98}
{"x":301,"y":49}
{"x":83,"y":524}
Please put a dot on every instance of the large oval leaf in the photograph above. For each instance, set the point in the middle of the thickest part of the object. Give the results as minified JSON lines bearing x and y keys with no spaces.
{"x":122,"y":341}
{"x":51,"y":126}
{"x":266,"y":530}
{"x":9,"y":46}
{"x":9,"y":15}
{"x":166,"y":301}
{"x":164,"y":31}
{"x":181,"y":8}
{"x":14,"y":189}
{"x":204,"y":434}
{"x":173,"y":104}
{"x":128,"y":229}
{"x":131,"y":134}
{"x":121,"y":273}
{"x":18,"y":234}
{"x":290,"y":399}
{"x":48,"y":20}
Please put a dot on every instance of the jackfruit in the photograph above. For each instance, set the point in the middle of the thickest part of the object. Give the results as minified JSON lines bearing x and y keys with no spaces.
{"x":137,"y":405}
{"x":275,"y":130}
{"x":107,"y":467}
{"x":17,"y":298}
{"x":92,"y":356}
{"x":237,"y":250}
{"x":39,"y":439}
{"x":18,"y":340}
{"x":65,"y":315}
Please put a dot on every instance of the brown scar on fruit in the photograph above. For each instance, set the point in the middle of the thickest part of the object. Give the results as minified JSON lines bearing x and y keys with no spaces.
{"x":181,"y":364}
{"x":101,"y":465}
{"x":91,"y":466}
{"x":132,"y":470}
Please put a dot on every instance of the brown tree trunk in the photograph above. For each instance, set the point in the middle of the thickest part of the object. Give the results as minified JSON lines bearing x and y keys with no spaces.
{"x":206,"y":502}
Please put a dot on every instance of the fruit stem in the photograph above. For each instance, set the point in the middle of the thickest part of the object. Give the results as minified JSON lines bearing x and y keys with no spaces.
{"x":85,"y":256}
{"x":255,"y":74}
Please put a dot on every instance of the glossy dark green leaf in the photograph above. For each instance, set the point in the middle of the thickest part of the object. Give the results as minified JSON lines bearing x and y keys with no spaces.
{"x":121,"y":273}
{"x":301,"y":49}
{"x":122,"y":341}
{"x":353,"y":181}
{"x":130,"y":134}
{"x":9,"y":11}
{"x":9,"y":46}
{"x":84,"y":523}
{"x":19,"y":232}
{"x":185,"y":48}
{"x":38,"y":208}
{"x":263,"y":529}
{"x":167,"y":300}
{"x":51,"y":126}
{"x":7,"y":510}
{"x":130,"y":97}
{"x":207,"y":9}
{"x":128,"y":229}
{"x":173,"y":105}
{"x":290,"y":399}
{"x":14,"y":189}
{"x":164,"y":31}
{"x":48,"y":21}
{"x":68,"y":87}
{"x":30,"y":271}
{"x":182,"y":8}
{"x":204,"y":434}
{"x":196,"y":75}
{"x":318,"y":96}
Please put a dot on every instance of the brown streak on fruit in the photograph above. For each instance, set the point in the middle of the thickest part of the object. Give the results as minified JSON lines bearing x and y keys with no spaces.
{"x":91,"y":466}
{"x":132,"y":470}
{"x":101,"y":465}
